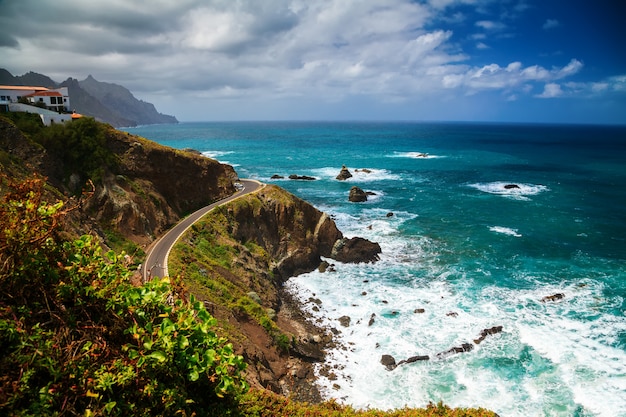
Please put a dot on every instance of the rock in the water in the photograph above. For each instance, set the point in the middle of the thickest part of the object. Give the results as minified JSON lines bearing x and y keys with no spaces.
{"x":344,"y":321}
{"x":511,"y":186}
{"x":389,"y":362}
{"x":372,"y":319}
{"x":419,"y":311}
{"x":344,"y":174}
{"x":276,"y":177}
{"x":357,"y":195}
{"x":553,"y":297}
{"x":301,"y":177}
{"x":355,"y":250}
{"x":487,"y":332}
{"x":390,"y":214}
{"x":465,"y":347}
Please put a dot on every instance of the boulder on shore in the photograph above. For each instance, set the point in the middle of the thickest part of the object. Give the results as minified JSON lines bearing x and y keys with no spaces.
{"x":344,"y":174}
{"x":357,"y":195}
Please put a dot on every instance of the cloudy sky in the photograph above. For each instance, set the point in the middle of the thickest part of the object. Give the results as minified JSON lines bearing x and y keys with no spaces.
{"x":457,"y":60}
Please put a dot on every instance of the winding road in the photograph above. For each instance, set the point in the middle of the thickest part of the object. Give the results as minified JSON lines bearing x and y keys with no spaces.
{"x":156,"y":258}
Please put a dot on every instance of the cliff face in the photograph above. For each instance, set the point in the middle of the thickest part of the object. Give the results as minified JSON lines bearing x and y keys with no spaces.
{"x":292,"y":231}
{"x":236,"y":260}
{"x":152,"y":186}
{"x":146,"y":191}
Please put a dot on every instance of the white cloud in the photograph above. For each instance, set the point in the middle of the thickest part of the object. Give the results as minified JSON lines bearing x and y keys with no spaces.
{"x":513,"y":76}
{"x":551,"y":24}
{"x":490,"y":25}
{"x":482,"y":45}
{"x":551,"y":90}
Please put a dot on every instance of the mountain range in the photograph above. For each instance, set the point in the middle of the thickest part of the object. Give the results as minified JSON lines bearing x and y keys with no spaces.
{"x":107,"y":102}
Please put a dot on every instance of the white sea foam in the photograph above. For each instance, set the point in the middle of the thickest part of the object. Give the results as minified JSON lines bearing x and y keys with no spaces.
{"x":510,"y":189}
{"x":545,"y":362}
{"x":505,"y":231}
{"x":217,"y":155}
{"x":358,"y":174}
{"x":415,"y":155}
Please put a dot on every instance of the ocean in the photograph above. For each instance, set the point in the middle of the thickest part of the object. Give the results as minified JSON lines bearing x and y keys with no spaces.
{"x":478,"y":224}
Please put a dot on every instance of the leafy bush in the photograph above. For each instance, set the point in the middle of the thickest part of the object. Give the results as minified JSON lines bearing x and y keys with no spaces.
{"x":78,"y":339}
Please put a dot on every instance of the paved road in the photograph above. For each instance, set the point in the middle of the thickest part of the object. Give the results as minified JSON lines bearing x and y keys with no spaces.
{"x":156,"y":259}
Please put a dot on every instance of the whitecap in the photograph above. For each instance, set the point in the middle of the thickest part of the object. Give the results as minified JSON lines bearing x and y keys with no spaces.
{"x":217,"y":155}
{"x":414,"y":155}
{"x":505,"y":230}
{"x":513,"y":190}
{"x":359,"y":174}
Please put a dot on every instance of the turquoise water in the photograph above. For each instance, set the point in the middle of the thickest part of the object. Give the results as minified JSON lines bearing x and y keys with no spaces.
{"x":459,"y":242}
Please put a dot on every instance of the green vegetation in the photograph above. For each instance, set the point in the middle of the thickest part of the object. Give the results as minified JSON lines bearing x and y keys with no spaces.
{"x":207,"y":258}
{"x":265,"y":404}
{"x":81,"y":144}
{"x":79,"y":339}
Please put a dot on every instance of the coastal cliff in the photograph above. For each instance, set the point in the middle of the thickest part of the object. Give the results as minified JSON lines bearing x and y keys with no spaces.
{"x":140,"y":188}
{"x":236,"y":260}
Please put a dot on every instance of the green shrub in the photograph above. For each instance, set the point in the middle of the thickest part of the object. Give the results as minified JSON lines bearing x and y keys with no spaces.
{"x":78,"y":339}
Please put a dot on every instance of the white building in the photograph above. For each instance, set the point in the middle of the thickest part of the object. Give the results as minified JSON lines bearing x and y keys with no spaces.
{"x":51,"y":104}
{"x":56,"y":99}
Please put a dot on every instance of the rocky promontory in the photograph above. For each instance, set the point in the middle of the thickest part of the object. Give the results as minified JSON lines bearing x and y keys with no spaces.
{"x":271,"y":235}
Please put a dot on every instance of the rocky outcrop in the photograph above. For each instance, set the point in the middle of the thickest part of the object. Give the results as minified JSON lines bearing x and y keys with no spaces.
{"x":344,"y":174}
{"x":301,"y":177}
{"x":355,"y":250}
{"x":294,"y":233}
{"x":357,"y":195}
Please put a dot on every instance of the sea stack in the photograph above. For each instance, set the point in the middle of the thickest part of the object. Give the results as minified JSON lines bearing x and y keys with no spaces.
{"x":344,"y":174}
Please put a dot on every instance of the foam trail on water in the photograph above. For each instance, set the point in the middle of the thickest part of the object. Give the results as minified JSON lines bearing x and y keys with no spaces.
{"x":505,"y":231}
{"x":510,"y":189}
{"x":415,"y":155}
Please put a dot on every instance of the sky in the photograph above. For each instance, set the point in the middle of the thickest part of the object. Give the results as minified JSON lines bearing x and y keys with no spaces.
{"x":537,"y":61}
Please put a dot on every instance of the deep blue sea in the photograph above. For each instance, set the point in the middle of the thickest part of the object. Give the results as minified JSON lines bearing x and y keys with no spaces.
{"x":468,"y":250}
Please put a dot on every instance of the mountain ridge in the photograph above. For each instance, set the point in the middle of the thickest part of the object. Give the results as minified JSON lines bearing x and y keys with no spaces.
{"x":106,"y":102}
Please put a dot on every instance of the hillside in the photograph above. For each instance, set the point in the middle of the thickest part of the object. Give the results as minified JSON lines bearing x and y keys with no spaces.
{"x":107,"y":102}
